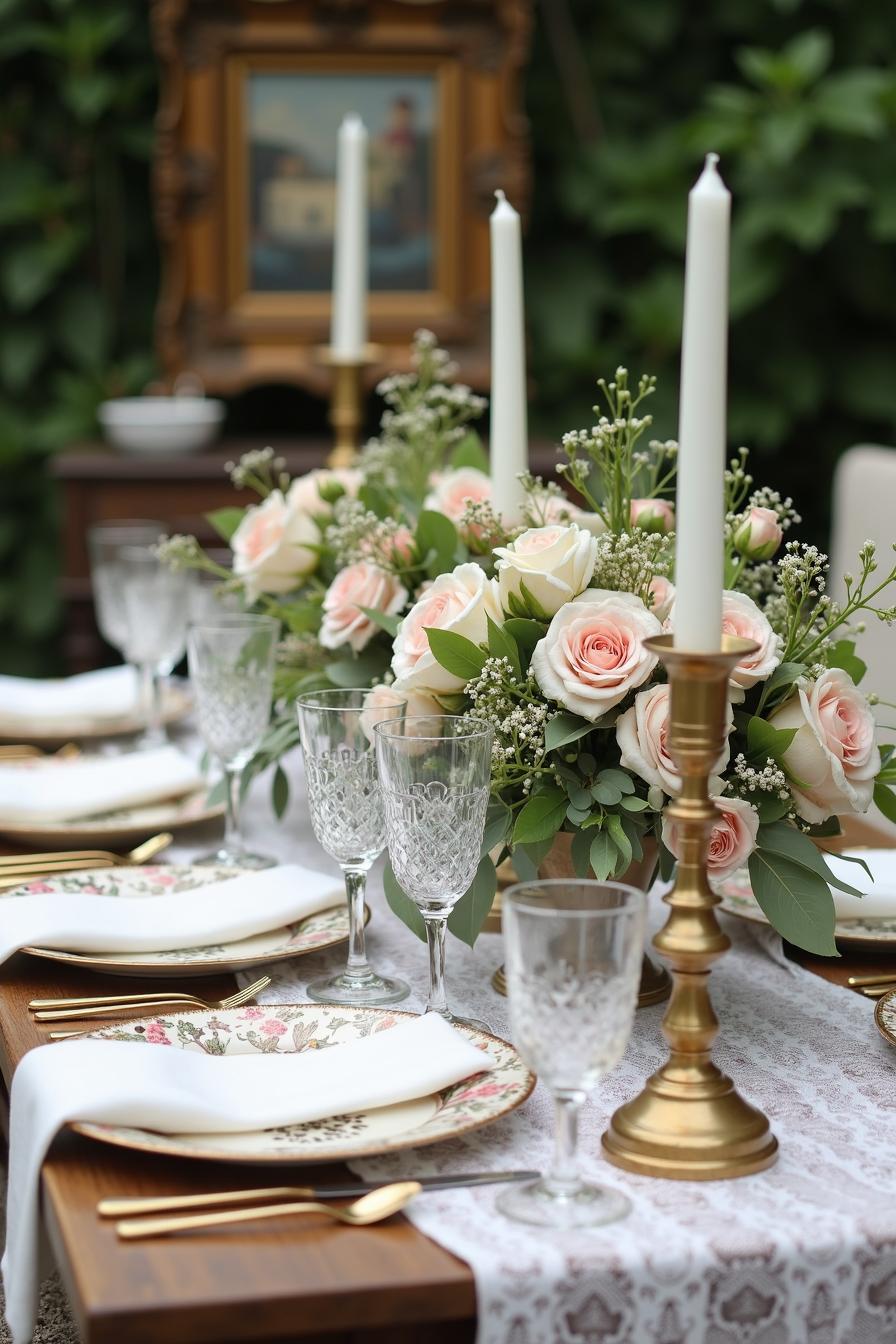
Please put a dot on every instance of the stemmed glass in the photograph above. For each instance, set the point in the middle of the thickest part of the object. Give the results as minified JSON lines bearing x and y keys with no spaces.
{"x":573,"y":962}
{"x":347,"y":816}
{"x":154,"y":603}
{"x":105,"y":544}
{"x":435,"y":772}
{"x":231,"y":664}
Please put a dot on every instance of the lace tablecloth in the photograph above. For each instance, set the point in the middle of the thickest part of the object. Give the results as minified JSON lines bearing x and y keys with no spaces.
{"x":802,"y":1254}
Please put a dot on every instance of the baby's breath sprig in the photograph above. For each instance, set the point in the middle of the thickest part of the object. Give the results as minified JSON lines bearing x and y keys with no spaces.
{"x":517,"y":712}
{"x":482,"y":528}
{"x":357,"y":534}
{"x":812,"y":617}
{"x":259,"y":470}
{"x":609,"y":450}
{"x":627,"y":562}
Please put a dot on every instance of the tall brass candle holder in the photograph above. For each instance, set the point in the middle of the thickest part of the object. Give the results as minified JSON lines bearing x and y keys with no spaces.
{"x":690,"y":1123}
{"x":347,"y":401}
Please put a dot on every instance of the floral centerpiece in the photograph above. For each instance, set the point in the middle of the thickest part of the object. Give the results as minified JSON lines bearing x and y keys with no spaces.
{"x":400,"y":573}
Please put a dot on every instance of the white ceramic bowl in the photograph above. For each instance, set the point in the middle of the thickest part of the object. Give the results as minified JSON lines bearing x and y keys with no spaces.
{"x":161,"y":424}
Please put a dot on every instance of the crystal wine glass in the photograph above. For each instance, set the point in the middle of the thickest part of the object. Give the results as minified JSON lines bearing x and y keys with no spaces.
{"x":154,"y":602}
{"x":231,"y":663}
{"x":435,"y":773}
{"x":573,"y":961}
{"x":346,"y":806}
{"x":105,"y":544}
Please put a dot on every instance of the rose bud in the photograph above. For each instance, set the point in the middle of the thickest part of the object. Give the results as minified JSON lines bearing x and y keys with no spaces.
{"x":759,"y":534}
{"x":653,"y":515}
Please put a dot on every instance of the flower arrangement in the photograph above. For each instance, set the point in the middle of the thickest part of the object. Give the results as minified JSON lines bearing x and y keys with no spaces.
{"x":400,"y":573}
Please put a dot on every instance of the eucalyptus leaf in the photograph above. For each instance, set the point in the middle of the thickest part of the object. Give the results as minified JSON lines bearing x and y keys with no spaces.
{"x":796,"y":901}
{"x":501,"y":644}
{"x":620,"y":837}
{"x":541,"y":817}
{"x":603,"y":856}
{"x":279,"y":792}
{"x":470,"y":913}
{"x":457,"y":654}
{"x":226,"y":521}
{"x":401,"y":904}
{"x":383,"y":619}
{"x":525,"y":634}
{"x":885,"y":800}
{"x":565,"y":728}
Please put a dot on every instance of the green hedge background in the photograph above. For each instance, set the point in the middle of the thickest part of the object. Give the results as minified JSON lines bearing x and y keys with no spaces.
{"x":799,"y":99}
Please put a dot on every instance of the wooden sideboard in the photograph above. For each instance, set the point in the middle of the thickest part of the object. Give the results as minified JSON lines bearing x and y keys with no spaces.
{"x":97,"y":484}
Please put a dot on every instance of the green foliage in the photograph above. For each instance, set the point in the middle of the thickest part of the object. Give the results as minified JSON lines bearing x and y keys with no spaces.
{"x":77,"y":269}
{"x":800,"y":101}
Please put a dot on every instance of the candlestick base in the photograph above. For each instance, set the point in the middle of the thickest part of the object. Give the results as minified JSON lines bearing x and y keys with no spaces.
{"x":347,"y":401}
{"x":690,"y":1123}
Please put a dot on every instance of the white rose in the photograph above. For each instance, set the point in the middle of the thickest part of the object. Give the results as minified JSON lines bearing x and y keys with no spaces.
{"x":833,"y":758}
{"x":356,"y":586}
{"x":453,"y":490}
{"x":459,"y":601}
{"x":270,"y":546}
{"x":555,"y":563}
{"x":380,"y":704}
{"x":305,"y":494}
{"x":593,"y":652}
{"x":742,"y":617}
{"x":642,"y":734}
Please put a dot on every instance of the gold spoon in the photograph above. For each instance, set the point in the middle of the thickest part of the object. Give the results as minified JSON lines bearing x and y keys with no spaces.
{"x":370,"y":1208}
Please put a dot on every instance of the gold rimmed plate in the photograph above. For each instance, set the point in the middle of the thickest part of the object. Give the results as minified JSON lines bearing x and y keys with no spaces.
{"x":114,"y":830}
{"x":176,"y":703}
{"x":873,"y":934}
{"x":313,"y":934}
{"x":292,"y":1029}
{"x":885,"y":1016}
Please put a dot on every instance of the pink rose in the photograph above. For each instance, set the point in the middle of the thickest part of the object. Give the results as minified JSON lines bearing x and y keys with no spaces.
{"x":270,"y":546}
{"x":273,"y":1027}
{"x":454,"y":490}
{"x":543,"y":507}
{"x":653,"y":515}
{"x":732,"y":841}
{"x":593,"y":652}
{"x":663,"y":594}
{"x":383,"y":702}
{"x":356,"y":586}
{"x":832,"y":759}
{"x":307,"y":492}
{"x":759,"y":535}
{"x":742,"y":617}
{"x":642,"y":734}
{"x":459,"y":601}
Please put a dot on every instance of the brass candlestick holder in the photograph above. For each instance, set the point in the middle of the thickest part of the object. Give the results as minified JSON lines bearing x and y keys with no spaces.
{"x":347,"y":401}
{"x":690,"y":1123}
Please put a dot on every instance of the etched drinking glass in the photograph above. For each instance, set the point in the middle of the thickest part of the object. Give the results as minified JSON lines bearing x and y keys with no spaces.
{"x":154,"y":603}
{"x":573,"y":962}
{"x":435,"y":773}
{"x":106,"y":544}
{"x":336,"y":728}
{"x":232,"y":673}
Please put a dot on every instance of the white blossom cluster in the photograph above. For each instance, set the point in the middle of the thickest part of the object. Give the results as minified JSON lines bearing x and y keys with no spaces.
{"x":770,"y":779}
{"x":482,"y":528}
{"x":303,"y":651}
{"x":357,"y":534}
{"x":179,"y":551}
{"x":518,"y":714}
{"x":627,"y":561}
{"x":260,"y":469}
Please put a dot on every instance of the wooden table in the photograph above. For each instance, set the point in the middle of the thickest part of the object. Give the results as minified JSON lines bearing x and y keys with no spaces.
{"x":301,"y":1280}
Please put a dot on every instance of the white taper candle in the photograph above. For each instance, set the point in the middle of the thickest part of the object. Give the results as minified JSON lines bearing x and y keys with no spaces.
{"x":508,"y":445}
{"x":699,"y":547}
{"x":348,"y":331}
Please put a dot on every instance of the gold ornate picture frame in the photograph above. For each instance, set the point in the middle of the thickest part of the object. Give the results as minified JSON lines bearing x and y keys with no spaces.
{"x":252,"y":94}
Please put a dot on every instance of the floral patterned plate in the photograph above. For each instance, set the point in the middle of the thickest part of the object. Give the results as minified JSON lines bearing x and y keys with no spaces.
{"x":176,"y":703}
{"x":283,"y":944}
{"x":290,"y":1029}
{"x":738,"y":899}
{"x":885,"y":1016}
{"x":112,"y":830}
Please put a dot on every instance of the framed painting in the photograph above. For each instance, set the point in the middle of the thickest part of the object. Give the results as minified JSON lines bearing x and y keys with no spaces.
{"x":253,"y":95}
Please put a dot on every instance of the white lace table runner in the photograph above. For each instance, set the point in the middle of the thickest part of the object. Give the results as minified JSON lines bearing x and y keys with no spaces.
{"x":802,"y":1254}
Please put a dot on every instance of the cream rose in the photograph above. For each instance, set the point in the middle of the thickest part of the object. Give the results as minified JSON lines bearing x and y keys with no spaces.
{"x":663,"y":594}
{"x":270,"y":546}
{"x":742,"y":617}
{"x":642,"y":734}
{"x":459,"y":601}
{"x":759,"y":534}
{"x":554,"y":563}
{"x":356,"y":586}
{"x":833,"y":759}
{"x":732,"y":841}
{"x":380,"y":704}
{"x":305,"y":491}
{"x":593,"y":654}
{"x":453,"y":490}
{"x":653,"y":515}
{"x":544,"y":508}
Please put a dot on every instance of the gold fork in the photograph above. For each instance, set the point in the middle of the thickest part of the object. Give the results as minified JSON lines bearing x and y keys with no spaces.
{"x":107,"y":1005}
{"x":18,"y":868}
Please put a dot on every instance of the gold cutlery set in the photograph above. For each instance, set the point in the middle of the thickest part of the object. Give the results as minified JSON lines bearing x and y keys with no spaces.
{"x":18,"y":868}
{"x":109,"y":1005}
{"x":873,"y":986}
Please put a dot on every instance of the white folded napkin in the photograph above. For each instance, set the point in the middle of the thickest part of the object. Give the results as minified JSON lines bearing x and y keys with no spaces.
{"x":221,"y":912}
{"x":182,"y":1091}
{"x":879,"y":898}
{"x":110,"y":693}
{"x":48,"y":791}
